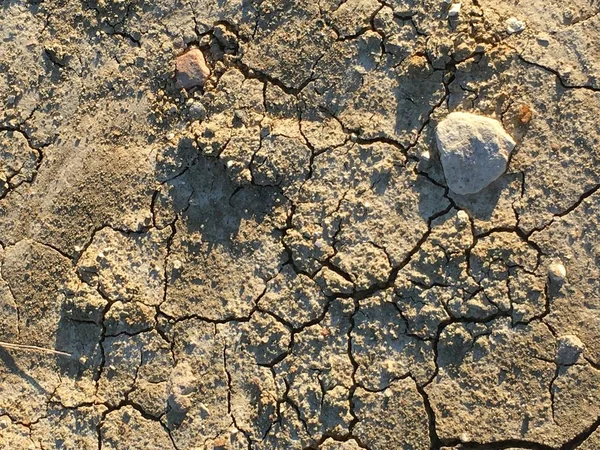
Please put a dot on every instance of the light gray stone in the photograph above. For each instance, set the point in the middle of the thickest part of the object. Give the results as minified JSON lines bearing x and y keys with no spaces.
{"x":474,"y":151}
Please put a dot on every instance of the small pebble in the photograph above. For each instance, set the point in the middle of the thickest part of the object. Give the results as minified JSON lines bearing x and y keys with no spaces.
{"x":514,"y":25}
{"x":197,"y":111}
{"x":557,"y":271}
{"x":454,"y":10}
{"x":462,"y":217}
{"x":192,"y":70}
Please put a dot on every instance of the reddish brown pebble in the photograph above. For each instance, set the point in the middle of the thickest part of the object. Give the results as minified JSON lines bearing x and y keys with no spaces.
{"x":192,"y":70}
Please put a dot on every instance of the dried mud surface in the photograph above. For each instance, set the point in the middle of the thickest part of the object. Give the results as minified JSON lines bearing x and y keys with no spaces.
{"x":275,"y":261}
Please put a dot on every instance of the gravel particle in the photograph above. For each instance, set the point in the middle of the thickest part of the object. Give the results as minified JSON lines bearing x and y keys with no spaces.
{"x":557,"y":271}
{"x":192,"y":70}
{"x":514,"y":25}
{"x":197,"y":111}
{"x":454,"y":10}
{"x":474,"y":151}
{"x":568,"y":349}
{"x":462,"y":217}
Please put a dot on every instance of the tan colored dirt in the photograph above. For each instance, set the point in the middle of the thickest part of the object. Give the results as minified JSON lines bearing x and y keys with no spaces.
{"x":257,"y":247}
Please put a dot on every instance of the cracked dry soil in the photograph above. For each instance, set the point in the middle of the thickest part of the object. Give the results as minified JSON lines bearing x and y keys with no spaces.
{"x":275,"y":261}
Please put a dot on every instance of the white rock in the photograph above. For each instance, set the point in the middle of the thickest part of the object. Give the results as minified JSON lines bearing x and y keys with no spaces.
{"x":557,"y":271}
{"x":454,"y":10}
{"x":474,"y":151}
{"x":514,"y":25}
{"x":463,"y":217}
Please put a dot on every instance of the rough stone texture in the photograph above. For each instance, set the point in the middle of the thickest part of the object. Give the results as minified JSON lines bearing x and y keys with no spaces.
{"x":278,"y":257}
{"x":474,"y":151}
{"x":191,"y":68}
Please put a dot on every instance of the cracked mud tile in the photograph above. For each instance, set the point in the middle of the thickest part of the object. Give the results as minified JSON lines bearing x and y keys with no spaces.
{"x":380,"y":91}
{"x":9,"y":318}
{"x":592,"y":442}
{"x":77,"y":191}
{"x":199,"y":390}
{"x":36,"y":276}
{"x":576,"y":399}
{"x":507,"y":268}
{"x":126,"y":267}
{"x":19,"y":85}
{"x":227,"y":245}
{"x":437,"y":282}
{"x":382,"y":347}
{"x":295,"y":298}
{"x":19,"y":160}
{"x":318,"y":374}
{"x":68,"y":428}
{"x":384,"y":202}
{"x":572,"y":240}
{"x":40,"y":280}
{"x":253,"y":395}
{"x":350,"y":18}
{"x":127,"y":428}
{"x":263,"y":337}
{"x":557,"y":37}
{"x":392,"y":418}
{"x":27,"y":383}
{"x":135,"y":370}
{"x":289,"y":39}
{"x":488,"y":372}
{"x":16,"y":435}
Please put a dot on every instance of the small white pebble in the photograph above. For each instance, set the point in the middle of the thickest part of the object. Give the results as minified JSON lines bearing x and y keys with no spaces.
{"x":170,"y":136}
{"x":557,"y":271}
{"x":462,"y":216}
{"x":454,"y":10}
{"x":514,"y":25}
{"x":426,"y":156}
{"x":229,"y":164}
{"x":177,"y":264}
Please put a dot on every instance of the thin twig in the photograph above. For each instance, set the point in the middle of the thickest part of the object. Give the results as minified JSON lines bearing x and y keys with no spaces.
{"x":33,"y":348}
